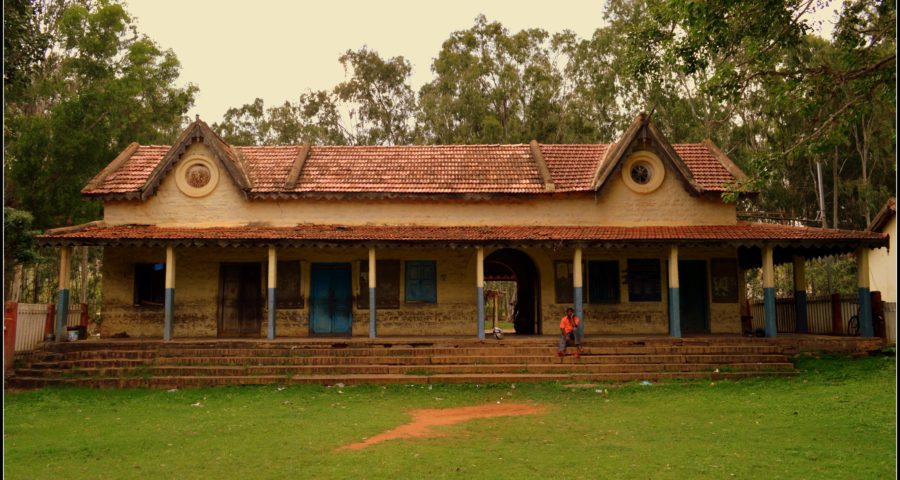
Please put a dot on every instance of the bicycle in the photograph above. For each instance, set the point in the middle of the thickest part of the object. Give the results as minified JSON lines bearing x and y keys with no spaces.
{"x":853,"y":324}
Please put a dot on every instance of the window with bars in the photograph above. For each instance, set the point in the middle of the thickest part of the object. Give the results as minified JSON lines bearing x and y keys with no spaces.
{"x":288,"y":281}
{"x":603,"y":281}
{"x":149,"y":283}
{"x":387,"y":284}
{"x":644,"y":284}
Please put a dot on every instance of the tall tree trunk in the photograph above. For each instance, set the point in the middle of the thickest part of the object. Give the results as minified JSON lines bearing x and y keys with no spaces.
{"x":84,"y":274}
{"x":35,"y":296}
{"x":16,"y":287}
{"x":835,"y":189}
{"x":821,"y":188}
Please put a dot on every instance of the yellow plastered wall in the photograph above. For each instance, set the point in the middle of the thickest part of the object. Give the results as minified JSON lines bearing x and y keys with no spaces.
{"x":629,"y":317}
{"x":883,"y":265}
{"x":197,"y":292}
{"x":618,"y":205}
{"x":197,"y":296}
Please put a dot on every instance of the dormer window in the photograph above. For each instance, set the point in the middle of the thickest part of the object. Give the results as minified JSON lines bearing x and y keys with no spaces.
{"x":643,"y":172}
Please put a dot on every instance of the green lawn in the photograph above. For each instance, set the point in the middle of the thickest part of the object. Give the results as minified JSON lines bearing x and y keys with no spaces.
{"x":837,"y":419}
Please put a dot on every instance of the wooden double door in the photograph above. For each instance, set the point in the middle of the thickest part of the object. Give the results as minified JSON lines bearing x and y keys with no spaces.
{"x":241,"y":297}
{"x":331,"y":299}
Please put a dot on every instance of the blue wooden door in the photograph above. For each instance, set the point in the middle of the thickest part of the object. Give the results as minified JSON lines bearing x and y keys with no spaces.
{"x":331,"y":299}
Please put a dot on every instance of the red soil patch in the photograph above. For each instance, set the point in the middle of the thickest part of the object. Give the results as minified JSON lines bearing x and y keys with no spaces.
{"x":423,"y":420}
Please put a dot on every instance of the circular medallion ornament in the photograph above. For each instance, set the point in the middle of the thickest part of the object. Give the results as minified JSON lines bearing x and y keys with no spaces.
{"x":196,"y":176}
{"x":643,"y":172}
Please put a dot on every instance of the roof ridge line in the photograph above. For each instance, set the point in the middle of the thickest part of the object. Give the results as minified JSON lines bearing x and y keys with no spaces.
{"x":112,"y":167}
{"x":297,"y":168}
{"x":542,"y":166}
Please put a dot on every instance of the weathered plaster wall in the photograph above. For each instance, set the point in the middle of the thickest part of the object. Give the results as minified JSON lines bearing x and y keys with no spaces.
{"x":197,"y":293}
{"x":615,"y":205}
{"x":631,"y":317}
{"x":883,"y":265}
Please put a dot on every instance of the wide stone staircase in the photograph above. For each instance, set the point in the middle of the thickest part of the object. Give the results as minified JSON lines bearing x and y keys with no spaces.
{"x":195,"y":363}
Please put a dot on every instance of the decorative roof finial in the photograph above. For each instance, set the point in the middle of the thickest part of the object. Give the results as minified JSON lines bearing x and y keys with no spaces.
{"x":197,"y":117}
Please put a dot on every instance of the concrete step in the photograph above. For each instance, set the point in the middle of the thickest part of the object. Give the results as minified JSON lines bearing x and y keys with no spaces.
{"x":561,"y":367}
{"x":351,"y":379}
{"x":487,"y":351}
{"x":387,"y":360}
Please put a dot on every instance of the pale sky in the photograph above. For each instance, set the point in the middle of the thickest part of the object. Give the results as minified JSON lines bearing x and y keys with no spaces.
{"x":235,"y":51}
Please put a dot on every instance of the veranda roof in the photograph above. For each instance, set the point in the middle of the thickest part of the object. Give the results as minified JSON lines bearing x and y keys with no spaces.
{"x":787,"y":240}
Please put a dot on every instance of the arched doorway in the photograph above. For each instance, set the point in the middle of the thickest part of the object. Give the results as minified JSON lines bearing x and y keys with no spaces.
{"x":508,"y":264}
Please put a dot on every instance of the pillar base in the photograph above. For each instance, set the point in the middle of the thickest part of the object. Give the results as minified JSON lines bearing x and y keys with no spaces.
{"x":674,"y":312}
{"x":170,"y":313}
{"x":800,"y":309}
{"x":769,"y":309}
{"x":372,"y":314}
{"x":62,"y":315}
{"x":479,"y":291}
{"x":273,"y":295}
{"x":866,"y":329}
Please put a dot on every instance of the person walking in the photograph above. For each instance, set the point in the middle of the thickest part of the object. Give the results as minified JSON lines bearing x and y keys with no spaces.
{"x":568,"y":331}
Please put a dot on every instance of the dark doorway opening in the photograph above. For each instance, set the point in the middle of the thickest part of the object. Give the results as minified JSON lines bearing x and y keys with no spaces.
{"x":510,"y":265}
{"x":240,"y":291}
{"x":694,"y":300}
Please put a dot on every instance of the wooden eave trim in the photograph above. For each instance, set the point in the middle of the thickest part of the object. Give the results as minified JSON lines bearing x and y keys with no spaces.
{"x":615,"y":154}
{"x":197,"y":130}
{"x":840,"y":246}
{"x":686,"y":176}
{"x":542,"y":166}
{"x":74,"y":228}
{"x":297,"y":168}
{"x":95,"y":182}
{"x":887,"y":211}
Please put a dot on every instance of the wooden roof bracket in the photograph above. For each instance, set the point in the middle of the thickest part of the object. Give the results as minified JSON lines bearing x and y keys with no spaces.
{"x":297,"y":167}
{"x":542,"y":166}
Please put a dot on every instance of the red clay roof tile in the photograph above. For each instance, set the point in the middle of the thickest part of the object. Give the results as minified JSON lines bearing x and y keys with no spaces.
{"x":434,"y":169}
{"x":742,"y":231}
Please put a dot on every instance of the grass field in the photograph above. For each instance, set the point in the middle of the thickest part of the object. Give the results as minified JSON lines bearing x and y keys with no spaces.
{"x":837,"y":419}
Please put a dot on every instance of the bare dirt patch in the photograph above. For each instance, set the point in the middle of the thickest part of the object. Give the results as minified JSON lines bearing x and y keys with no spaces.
{"x":424,"y":419}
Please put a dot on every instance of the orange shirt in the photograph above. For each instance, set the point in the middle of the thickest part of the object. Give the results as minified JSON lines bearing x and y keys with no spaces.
{"x":568,"y":326}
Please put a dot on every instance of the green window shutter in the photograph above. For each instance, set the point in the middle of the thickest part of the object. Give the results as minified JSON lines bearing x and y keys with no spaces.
{"x":421,"y":283}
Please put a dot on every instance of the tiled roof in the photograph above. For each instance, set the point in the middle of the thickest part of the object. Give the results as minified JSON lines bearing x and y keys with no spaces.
{"x":748,"y":232}
{"x":434,"y":169}
{"x":572,"y":166}
{"x":421,"y":169}
{"x":707,"y":171}
{"x":132,"y":174}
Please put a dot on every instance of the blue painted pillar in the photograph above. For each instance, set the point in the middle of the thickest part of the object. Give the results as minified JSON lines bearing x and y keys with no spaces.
{"x":170,"y":293}
{"x":866,"y":329}
{"x":272,"y":297}
{"x":768,"y":267}
{"x":372,"y":286}
{"x":479,"y":289}
{"x":578,"y":290}
{"x":674,"y":295}
{"x":62,"y":307}
{"x":800,"y":311}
